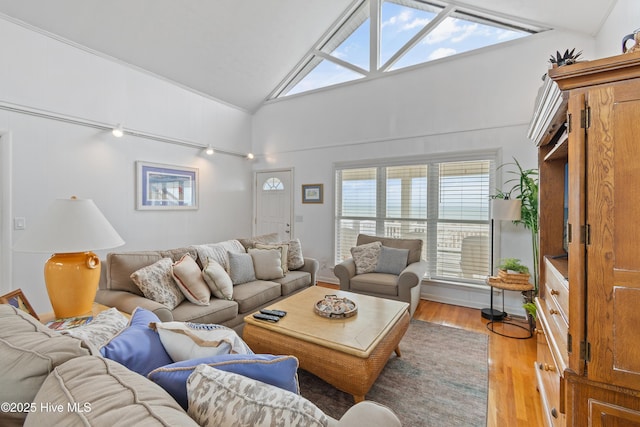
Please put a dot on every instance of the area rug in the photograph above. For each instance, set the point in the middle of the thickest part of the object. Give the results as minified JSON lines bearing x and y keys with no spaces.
{"x":440,"y":380}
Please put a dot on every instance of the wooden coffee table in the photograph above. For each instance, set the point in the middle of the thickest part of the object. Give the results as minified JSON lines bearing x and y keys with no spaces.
{"x":347,"y":353}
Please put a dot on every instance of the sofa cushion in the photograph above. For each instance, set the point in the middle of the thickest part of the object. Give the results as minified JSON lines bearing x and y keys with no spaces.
{"x":120,"y":266}
{"x":375,"y":283}
{"x":250,"y":242}
{"x":294,"y":281}
{"x":414,"y":245}
{"x":157,"y":284}
{"x":101,"y":329}
{"x":392,"y":260}
{"x":279,"y":371}
{"x":104,"y":393}
{"x":186,"y":340}
{"x":218,"y":311}
{"x":366,"y":257}
{"x":262,"y":404}
{"x":241,"y":268}
{"x":218,"y":280}
{"x":252,"y":295}
{"x":29,"y":351}
{"x":138,"y":347}
{"x":267,"y":263}
{"x":188,"y":276}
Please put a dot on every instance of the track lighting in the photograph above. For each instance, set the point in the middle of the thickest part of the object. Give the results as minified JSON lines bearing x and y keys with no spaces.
{"x":118,"y":131}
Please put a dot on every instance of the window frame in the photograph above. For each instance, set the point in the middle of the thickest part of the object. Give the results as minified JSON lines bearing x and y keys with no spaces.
{"x":430,"y":248}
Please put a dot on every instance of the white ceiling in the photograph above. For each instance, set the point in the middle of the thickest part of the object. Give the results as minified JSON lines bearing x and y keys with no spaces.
{"x":238,"y":51}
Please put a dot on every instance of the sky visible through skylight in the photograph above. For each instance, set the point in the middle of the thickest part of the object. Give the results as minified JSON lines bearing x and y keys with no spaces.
{"x":398,"y":25}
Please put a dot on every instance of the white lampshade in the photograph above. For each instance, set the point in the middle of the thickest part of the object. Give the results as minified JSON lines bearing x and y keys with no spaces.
{"x":69,"y":226}
{"x":506,"y":209}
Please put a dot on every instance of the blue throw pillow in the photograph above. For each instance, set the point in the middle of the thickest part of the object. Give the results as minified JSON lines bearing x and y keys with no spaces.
{"x":279,"y":371}
{"x":138,"y":347}
{"x":392,"y":260}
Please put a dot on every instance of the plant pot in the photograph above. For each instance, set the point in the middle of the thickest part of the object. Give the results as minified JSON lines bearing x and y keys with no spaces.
{"x":505,"y":276}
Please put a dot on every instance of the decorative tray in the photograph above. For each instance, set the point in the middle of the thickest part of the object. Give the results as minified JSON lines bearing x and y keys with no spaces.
{"x":333,"y":306}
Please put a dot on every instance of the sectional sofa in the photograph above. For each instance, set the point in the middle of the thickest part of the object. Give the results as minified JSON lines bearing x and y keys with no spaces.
{"x":117,"y":289}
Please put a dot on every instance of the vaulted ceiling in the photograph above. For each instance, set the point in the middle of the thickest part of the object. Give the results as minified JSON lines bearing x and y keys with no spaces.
{"x":238,"y":51}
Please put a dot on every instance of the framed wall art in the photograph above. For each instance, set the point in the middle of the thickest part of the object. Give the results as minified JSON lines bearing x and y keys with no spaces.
{"x":161,"y":187}
{"x":18,"y":300}
{"x":312,"y":193}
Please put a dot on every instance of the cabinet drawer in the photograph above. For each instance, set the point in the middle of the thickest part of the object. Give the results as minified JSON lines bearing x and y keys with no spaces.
{"x":557,"y":289}
{"x":555,"y":331}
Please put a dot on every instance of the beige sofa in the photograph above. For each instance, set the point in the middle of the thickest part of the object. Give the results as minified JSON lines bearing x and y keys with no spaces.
{"x":117,"y":289}
{"x":52,"y":379}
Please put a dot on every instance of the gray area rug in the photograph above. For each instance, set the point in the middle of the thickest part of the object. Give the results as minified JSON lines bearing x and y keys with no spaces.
{"x":440,"y":380}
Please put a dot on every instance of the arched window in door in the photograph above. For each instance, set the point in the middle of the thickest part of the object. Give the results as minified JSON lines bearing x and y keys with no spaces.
{"x":272,"y":184}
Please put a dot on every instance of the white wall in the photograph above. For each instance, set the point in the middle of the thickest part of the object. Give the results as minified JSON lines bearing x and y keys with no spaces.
{"x":51,"y":159}
{"x":478,"y":100}
{"x":624,"y":19}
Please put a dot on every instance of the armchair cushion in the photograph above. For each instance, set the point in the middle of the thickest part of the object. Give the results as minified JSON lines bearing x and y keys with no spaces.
{"x":392,"y":260}
{"x":366,"y":257}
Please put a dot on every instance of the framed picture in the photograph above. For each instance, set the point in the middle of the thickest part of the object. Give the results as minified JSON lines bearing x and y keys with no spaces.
{"x":18,"y":300}
{"x":312,"y":193}
{"x":161,"y":187}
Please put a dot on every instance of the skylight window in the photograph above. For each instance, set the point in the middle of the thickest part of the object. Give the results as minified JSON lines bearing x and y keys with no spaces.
{"x":410,"y":32}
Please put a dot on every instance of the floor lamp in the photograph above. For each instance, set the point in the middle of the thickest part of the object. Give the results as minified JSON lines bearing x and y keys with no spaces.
{"x":71,"y":229}
{"x":501,"y":210}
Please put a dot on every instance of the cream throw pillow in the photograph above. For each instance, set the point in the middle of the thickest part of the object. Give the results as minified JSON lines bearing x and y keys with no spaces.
{"x":267,"y":263}
{"x":188,"y":277}
{"x":284,"y":253}
{"x":157,"y":284}
{"x":243,"y":401}
{"x":366,"y":257}
{"x":185,"y":340}
{"x":218,"y":280}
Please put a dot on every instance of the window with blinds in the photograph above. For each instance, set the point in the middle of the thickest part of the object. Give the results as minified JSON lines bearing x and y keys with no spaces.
{"x":444,"y":203}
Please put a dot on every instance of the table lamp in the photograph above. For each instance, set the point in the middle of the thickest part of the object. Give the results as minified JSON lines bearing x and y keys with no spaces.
{"x":71,"y":229}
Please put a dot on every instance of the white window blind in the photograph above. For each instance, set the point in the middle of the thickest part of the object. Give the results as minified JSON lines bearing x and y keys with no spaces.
{"x":444,"y":203}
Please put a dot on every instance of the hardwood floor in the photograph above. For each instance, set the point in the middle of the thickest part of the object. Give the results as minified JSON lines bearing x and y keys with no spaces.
{"x":513,"y":398}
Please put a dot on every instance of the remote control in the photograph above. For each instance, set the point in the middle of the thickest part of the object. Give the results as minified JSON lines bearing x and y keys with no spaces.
{"x":266,"y":317}
{"x":278,"y":313}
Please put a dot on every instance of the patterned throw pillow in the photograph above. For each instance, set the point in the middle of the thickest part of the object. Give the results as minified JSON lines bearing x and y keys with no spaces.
{"x":244,"y":401}
{"x":188,"y":277}
{"x":157,"y":284}
{"x":279,"y":371}
{"x":267,"y":263}
{"x":218,"y":280}
{"x":366,"y":257}
{"x":241,"y":268}
{"x":101,"y":329}
{"x":296,"y":260}
{"x":185,"y":340}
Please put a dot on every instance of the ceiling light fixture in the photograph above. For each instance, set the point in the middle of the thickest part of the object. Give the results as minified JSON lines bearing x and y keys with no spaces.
{"x":250,"y":156}
{"x":118,"y":131}
{"x":209,"y":150}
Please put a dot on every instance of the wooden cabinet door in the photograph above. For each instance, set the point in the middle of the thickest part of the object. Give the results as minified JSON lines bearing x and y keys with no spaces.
{"x":613,"y":242}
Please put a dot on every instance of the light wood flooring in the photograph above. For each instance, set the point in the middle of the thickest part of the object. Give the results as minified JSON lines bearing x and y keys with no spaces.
{"x":513,"y":399}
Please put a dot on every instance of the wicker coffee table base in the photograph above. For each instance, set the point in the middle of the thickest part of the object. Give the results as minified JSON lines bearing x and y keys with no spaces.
{"x":351,"y":374}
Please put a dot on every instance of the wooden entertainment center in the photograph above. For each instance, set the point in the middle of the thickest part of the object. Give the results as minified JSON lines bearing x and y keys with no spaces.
{"x":587,"y":127}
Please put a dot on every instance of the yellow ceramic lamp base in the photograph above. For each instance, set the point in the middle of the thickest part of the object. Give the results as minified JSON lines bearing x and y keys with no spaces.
{"x":72,"y":282}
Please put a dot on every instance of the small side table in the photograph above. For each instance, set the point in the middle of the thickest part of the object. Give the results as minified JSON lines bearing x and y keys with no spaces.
{"x":95,"y":310}
{"x":508,"y":286}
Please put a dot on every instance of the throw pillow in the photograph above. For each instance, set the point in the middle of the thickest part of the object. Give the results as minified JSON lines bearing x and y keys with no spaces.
{"x":295,"y":258}
{"x":185,"y":340}
{"x":101,"y":329}
{"x":366,"y":257}
{"x":250,"y":242}
{"x":218,"y":280}
{"x":241,"y":268}
{"x":218,"y":251}
{"x":392,"y":260}
{"x":279,"y":371}
{"x":157,"y":284}
{"x":188,"y":277}
{"x":284,"y":253}
{"x":138,"y":347}
{"x":262,"y":404}
{"x":267,"y":263}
